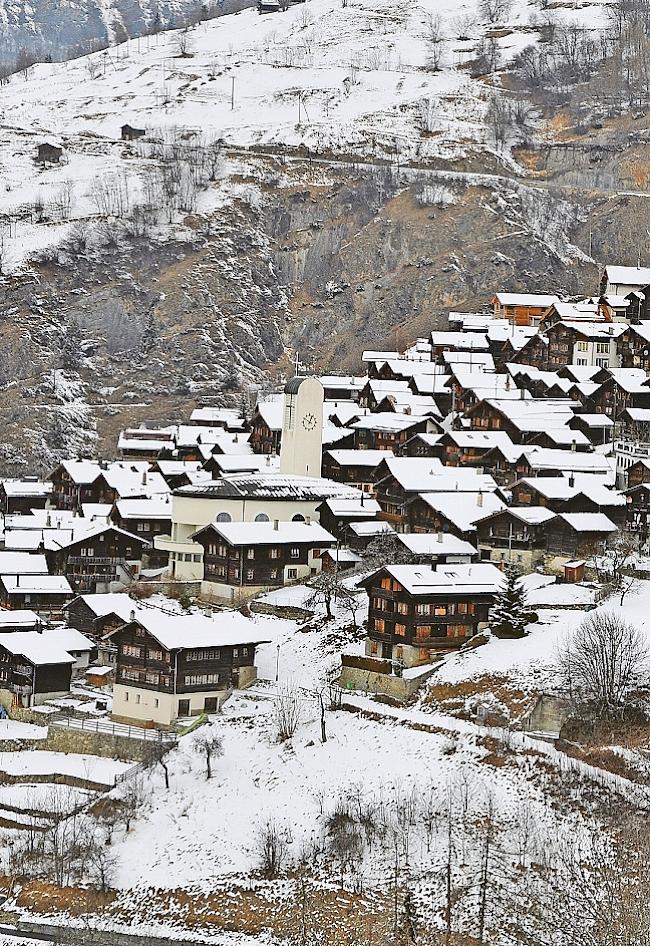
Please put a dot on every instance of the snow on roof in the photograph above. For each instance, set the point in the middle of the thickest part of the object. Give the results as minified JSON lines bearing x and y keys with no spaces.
{"x":269,"y":486}
{"x":68,"y":638}
{"x":607,"y":330}
{"x":447,"y":579}
{"x":478,"y":360}
{"x":42,"y":519}
{"x":177,"y":467}
{"x":630,"y":379}
{"x":473,"y":341}
{"x":40,"y":649}
{"x":369,"y":458}
{"x":342,"y":555}
{"x":464,"y":509}
{"x":159,"y":507}
{"x":628,"y":275}
{"x":266,"y":533}
{"x":22,"y":563}
{"x":432,"y":384}
{"x":382,"y":356}
{"x":580,"y":372}
{"x":549,"y":459}
{"x":229,"y":416}
{"x":271,"y":410}
{"x":344,"y":382}
{"x":374,"y":527}
{"x":364,"y":507}
{"x":82,"y":472}
{"x":594,"y":420}
{"x":96,"y":511}
{"x":36,"y":584}
{"x":246,"y":463}
{"x":641,"y":415}
{"x":20,"y":618}
{"x":531,"y":515}
{"x":478,"y":438}
{"x":133,"y":483}
{"x":407,"y":368}
{"x":187,"y":631}
{"x":526,"y":299}
{"x":113,"y":603}
{"x":387,"y":421}
{"x":588,"y":521}
{"x":27,"y":488}
{"x":435,"y":543}
{"x":578,"y":311}
{"x":83,"y":530}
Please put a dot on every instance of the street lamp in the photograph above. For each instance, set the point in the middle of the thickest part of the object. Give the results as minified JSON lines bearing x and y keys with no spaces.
{"x":277,"y":664}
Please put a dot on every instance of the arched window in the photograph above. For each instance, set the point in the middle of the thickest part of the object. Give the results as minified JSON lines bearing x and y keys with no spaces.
{"x":224,"y":517}
{"x":262,"y":517}
{"x":298,"y":517}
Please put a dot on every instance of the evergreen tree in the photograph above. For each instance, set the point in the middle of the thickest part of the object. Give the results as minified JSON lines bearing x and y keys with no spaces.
{"x":510,"y":613}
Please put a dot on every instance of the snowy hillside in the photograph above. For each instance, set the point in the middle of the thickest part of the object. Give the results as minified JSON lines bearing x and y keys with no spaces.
{"x":371,"y":78}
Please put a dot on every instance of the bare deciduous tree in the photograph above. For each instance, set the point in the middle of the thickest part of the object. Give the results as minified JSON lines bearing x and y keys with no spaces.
{"x":602,"y":662}
{"x":271,"y":847}
{"x":210,"y":746}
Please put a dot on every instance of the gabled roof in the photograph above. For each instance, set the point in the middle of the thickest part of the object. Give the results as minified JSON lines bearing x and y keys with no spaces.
{"x":526,"y":299}
{"x":435,"y":543}
{"x":531,"y":515}
{"x":189,"y":631}
{"x":445,"y":579}
{"x":370,"y":458}
{"x":463,"y":510}
{"x":628,"y":275}
{"x":388,"y":422}
{"x":266,"y":533}
{"x":36,"y":584}
{"x":588,"y":521}
{"x":40,"y":649}
{"x":271,"y":410}
{"x":102,"y":605}
{"x":362,"y":508}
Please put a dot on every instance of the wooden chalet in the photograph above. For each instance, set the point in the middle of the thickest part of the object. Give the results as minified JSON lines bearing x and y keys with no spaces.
{"x":634,"y":347}
{"x":579,"y":535}
{"x":522,"y":308}
{"x":416,"y":612}
{"x":266,"y":426}
{"x":241,"y":559}
{"x":638,"y":473}
{"x":45,"y":594}
{"x":423,"y":445}
{"x":388,"y":431}
{"x":34,"y":667}
{"x":95,"y":559}
{"x":515,"y":536}
{"x":171,"y":666}
{"x":637,"y":511}
{"x":19,"y":497}
{"x":354,"y":467}
{"x":570,"y":494}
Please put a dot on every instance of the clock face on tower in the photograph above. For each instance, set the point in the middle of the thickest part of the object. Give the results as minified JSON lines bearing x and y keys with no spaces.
{"x":309,"y":421}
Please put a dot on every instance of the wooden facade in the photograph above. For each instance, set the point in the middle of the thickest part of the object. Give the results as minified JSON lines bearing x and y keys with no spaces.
{"x":97,"y":560}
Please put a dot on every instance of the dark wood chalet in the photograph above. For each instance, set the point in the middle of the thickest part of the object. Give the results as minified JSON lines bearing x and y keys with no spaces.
{"x":34,"y":668}
{"x":45,"y":594}
{"x":638,"y":473}
{"x":579,"y":535}
{"x":93,"y":561}
{"x":516,"y":536}
{"x":388,"y":431}
{"x":637,"y":511}
{"x":266,"y":427}
{"x":180,"y":665}
{"x":354,"y":467}
{"x":561,"y":494}
{"x":240,"y":558}
{"x":416,"y":611}
{"x":423,"y":445}
{"x":18,"y":497}
{"x":634,"y":347}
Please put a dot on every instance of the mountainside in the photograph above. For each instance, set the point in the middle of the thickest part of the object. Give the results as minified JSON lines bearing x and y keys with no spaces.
{"x":42,"y":30}
{"x":321,"y":179}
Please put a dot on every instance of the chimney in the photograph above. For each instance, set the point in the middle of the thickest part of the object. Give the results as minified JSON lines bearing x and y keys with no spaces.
{"x":573,"y":445}
{"x":48,"y":521}
{"x":440,"y":536}
{"x":268,"y":459}
{"x":479,"y":498}
{"x":132,"y":615}
{"x":17,"y":581}
{"x":276,"y":524}
{"x":572,"y":480}
{"x":307,"y":520}
{"x":144,"y":477}
{"x":235,"y":439}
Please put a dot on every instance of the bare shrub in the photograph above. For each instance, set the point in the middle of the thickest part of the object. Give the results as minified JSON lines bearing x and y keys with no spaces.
{"x":287,"y":712}
{"x":271,"y":847}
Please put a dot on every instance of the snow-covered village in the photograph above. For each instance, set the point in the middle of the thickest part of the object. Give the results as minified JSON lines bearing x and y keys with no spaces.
{"x":324,"y":473}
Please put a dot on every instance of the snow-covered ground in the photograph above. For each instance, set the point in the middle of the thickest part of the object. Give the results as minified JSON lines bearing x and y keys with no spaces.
{"x":346,"y":78}
{"x":38,"y":762}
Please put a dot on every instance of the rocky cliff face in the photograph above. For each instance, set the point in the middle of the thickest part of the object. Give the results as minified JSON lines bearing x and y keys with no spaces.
{"x":63,"y":29}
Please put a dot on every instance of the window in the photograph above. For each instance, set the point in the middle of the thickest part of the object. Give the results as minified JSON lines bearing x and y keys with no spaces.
{"x":273,"y":573}
{"x":126,"y":697}
{"x":130,"y":650}
{"x":262,"y":517}
{"x":200,"y":679}
{"x":137,"y":697}
{"x":155,"y":654}
{"x":385,"y":584}
{"x":423,"y":653}
{"x":250,"y":553}
{"x":374,"y":648}
{"x":440,"y":610}
{"x":400,"y":630}
{"x":250,"y":574}
{"x":224,"y":517}
{"x":298,"y":518}
{"x":379,"y":625}
{"x":582,"y":346}
{"x":602,"y":362}
{"x":196,"y":558}
{"x":402,"y":607}
{"x":462,"y":608}
{"x":152,"y":678}
{"x":422,"y":631}
{"x":602,"y":348}
{"x":212,"y":654}
{"x":140,"y":527}
{"x":423,"y":609}
{"x":235,"y":651}
{"x":295,"y":553}
{"x":132,"y":675}
{"x":292,"y":572}
{"x":273,"y":553}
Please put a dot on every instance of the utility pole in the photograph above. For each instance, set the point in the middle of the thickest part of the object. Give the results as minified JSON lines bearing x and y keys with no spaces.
{"x":232,"y":95}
